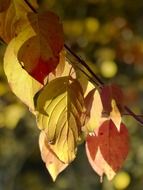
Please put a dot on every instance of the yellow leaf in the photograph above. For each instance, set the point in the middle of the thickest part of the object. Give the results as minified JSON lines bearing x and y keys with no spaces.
{"x":64,"y":68}
{"x":21,"y":83}
{"x":53,"y":164}
{"x":94,"y":110}
{"x":60,"y":105}
{"x":115,"y":114}
{"x":89,"y":87}
{"x":13,"y":17}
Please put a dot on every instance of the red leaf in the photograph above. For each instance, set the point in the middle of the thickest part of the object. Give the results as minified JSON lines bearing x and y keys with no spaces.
{"x":112,"y":92}
{"x":113,"y":144}
{"x":107,"y":150}
{"x":47,"y":25}
{"x":40,"y":52}
{"x":42,"y":68}
{"x":92,"y":145}
{"x":91,"y":152}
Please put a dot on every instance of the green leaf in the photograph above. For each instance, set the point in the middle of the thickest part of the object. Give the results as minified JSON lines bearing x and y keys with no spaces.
{"x":60,"y":106}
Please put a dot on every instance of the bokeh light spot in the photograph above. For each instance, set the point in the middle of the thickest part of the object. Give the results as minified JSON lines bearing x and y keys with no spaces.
{"x":108,"y":69}
{"x":122,"y":180}
{"x":92,"y":24}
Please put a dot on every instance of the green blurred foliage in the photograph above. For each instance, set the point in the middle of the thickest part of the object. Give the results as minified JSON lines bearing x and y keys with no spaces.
{"x":107,"y":34}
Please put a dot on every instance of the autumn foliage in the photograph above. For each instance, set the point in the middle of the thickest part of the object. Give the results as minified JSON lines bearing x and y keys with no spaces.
{"x":68,"y":112}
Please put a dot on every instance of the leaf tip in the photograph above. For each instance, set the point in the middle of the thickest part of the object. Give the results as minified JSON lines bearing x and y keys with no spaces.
{"x":53,"y":172}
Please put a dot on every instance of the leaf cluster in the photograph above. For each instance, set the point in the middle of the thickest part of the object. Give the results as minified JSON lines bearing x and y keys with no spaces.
{"x":70,"y":106}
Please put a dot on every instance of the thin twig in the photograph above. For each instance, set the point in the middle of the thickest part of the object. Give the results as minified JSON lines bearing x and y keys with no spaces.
{"x":128,"y":114}
{"x":101,"y":84}
{"x":136,"y":117}
{"x":92,"y":80}
{"x":85,"y":65}
{"x":30,"y":6}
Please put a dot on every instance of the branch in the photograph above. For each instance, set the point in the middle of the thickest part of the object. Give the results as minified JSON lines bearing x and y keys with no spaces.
{"x":30,"y":6}
{"x":101,"y":84}
{"x":136,"y":117}
{"x":92,"y":80}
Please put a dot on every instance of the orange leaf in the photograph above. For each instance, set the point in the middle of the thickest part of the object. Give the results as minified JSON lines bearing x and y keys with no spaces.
{"x":13,"y":17}
{"x":53,"y":164}
{"x":4,"y":4}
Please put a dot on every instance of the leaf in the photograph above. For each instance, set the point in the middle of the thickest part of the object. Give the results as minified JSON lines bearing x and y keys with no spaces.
{"x":4,"y":4}
{"x":60,"y":105}
{"x":91,"y":152}
{"x":81,"y":72}
{"x":110,"y":92}
{"x":94,"y":109}
{"x":40,"y":53}
{"x":114,"y":144}
{"x":89,"y":88}
{"x":108,"y":149}
{"x":115,"y":115}
{"x":53,"y":164}
{"x":13,"y":17}
{"x":63,"y":68}
{"x":21,"y":83}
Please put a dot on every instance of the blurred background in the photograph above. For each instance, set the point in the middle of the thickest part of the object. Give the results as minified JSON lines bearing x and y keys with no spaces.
{"x":108,"y":35}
